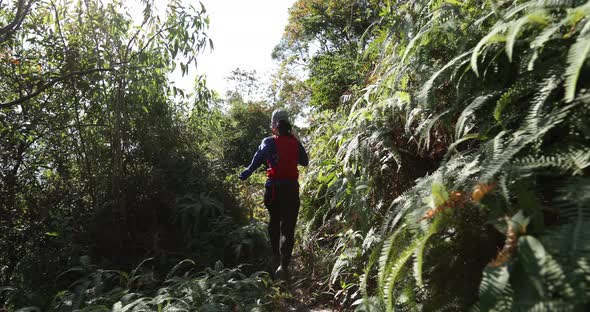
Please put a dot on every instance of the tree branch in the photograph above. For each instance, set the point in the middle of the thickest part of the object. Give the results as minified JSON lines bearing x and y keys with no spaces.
{"x":21,"y":12}
{"x":51,"y":83}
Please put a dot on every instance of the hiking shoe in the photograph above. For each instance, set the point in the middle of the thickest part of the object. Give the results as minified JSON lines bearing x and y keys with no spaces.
{"x":276,"y":261}
{"x":281,"y":273}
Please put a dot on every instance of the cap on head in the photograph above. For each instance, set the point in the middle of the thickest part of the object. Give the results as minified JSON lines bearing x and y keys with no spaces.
{"x":278,"y":115}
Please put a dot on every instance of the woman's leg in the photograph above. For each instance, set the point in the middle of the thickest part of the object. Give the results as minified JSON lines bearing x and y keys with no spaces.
{"x":290,"y":210}
{"x":274,"y":224}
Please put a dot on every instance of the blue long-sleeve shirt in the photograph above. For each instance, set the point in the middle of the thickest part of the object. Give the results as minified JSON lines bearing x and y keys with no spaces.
{"x":267,"y":151}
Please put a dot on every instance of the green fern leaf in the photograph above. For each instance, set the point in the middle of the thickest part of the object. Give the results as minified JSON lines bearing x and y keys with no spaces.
{"x":395,"y":268}
{"x":460,"y":129}
{"x":546,"y":274}
{"x":573,"y":201}
{"x":547,"y":33}
{"x":535,"y":126}
{"x":576,"y":58}
{"x":557,"y":306}
{"x":494,"y":36}
{"x":419,"y":263}
{"x":521,"y":7}
{"x":412,"y":42}
{"x":538,"y":17}
{"x":411,"y":117}
{"x":425,"y":90}
{"x":425,"y":129}
{"x":387,"y":253}
{"x":495,"y":290}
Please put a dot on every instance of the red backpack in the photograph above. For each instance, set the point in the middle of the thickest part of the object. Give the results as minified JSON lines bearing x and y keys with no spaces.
{"x":287,"y":158}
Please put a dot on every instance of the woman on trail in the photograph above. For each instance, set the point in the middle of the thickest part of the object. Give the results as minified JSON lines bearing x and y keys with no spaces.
{"x":282,"y":152}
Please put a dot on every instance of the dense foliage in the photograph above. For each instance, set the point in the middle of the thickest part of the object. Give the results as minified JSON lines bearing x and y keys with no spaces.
{"x":455,"y":175}
{"x":102,"y":157}
{"x":212,"y":289}
{"x":449,"y":158}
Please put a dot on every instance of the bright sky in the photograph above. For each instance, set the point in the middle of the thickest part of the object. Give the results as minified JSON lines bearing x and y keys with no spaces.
{"x":244,"y":34}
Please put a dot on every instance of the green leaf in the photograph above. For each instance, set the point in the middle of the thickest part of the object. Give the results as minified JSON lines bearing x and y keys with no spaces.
{"x":455,"y":2}
{"x":493,"y":36}
{"x":538,"y":17}
{"x":576,"y":58}
{"x":420,"y":250}
{"x":532,"y":254}
{"x":494,"y":287}
{"x":438,"y":196}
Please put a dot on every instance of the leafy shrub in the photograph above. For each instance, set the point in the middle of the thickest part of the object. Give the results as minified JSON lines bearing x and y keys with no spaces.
{"x":249,"y":243}
{"x":213,"y":289}
{"x":477,"y":115}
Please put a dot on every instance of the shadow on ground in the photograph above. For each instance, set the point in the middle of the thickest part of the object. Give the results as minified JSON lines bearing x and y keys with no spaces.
{"x":303,"y":293}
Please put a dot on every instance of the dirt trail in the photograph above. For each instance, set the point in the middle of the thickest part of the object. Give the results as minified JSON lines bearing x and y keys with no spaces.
{"x":296,"y":297}
{"x":300,"y":293}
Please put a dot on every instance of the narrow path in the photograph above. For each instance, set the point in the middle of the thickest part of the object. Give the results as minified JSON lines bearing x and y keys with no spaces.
{"x":298,"y":295}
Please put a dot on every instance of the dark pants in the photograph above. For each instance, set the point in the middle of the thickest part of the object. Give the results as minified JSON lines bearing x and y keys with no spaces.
{"x":282,"y":202}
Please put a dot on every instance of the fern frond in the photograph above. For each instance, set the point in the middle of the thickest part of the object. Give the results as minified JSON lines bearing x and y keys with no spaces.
{"x":425,"y":129}
{"x":374,"y":257}
{"x":407,"y":203}
{"x":535,"y":126}
{"x":412,"y":42}
{"x":394,"y":269}
{"x":519,"y":7}
{"x":425,"y":90}
{"x":460,"y":128}
{"x":556,"y":3}
{"x":548,"y":274}
{"x":580,"y":160}
{"x":557,"y":306}
{"x":495,"y":162}
{"x":419,"y":253}
{"x":508,"y":96}
{"x":387,"y":253}
{"x":368,"y":304}
{"x":568,"y":244}
{"x":574,"y":205}
{"x":547,"y":33}
{"x":411,"y":116}
{"x":495,"y":292}
{"x":576,"y":58}
{"x":494,"y":36}
{"x":537,"y":17}
{"x":573,"y":162}
{"x":470,"y":166}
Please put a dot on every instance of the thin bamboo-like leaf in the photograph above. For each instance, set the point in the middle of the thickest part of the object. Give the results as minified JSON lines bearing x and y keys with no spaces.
{"x":177,"y":266}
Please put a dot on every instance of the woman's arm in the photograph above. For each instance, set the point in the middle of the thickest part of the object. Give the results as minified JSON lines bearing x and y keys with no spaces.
{"x":261,"y":155}
{"x":303,"y":159}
